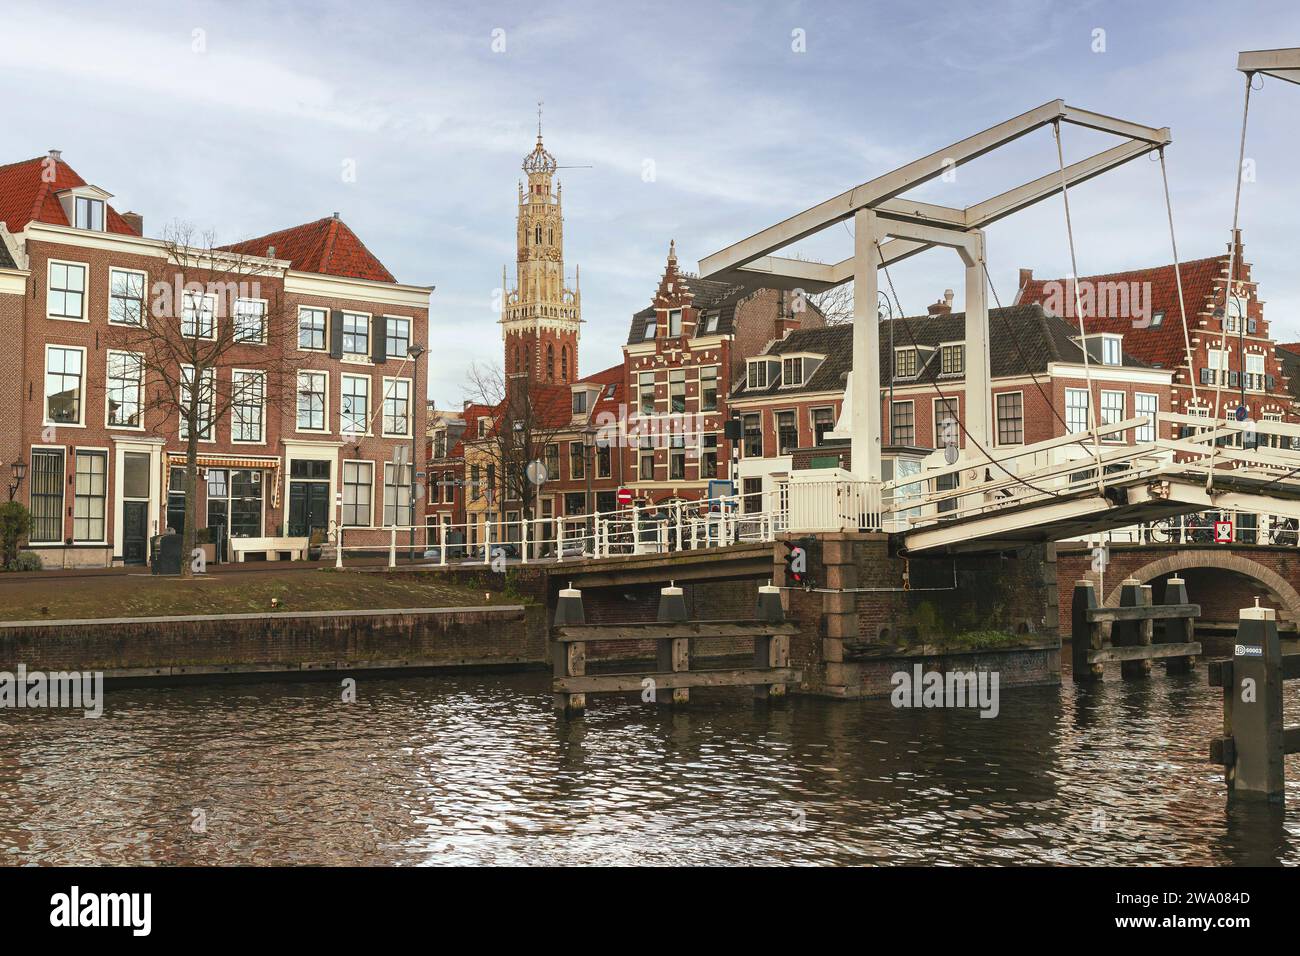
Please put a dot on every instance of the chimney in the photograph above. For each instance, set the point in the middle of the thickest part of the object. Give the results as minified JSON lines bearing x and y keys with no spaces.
{"x":943,"y":306}
{"x":135,"y":221}
{"x":56,"y":155}
{"x":1026,"y":277}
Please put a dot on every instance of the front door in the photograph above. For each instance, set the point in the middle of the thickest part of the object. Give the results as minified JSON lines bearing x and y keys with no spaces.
{"x":135,"y":532}
{"x":308,"y":507}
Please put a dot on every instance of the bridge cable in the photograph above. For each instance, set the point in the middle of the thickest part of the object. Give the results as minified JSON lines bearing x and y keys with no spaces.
{"x":1078,"y":311}
{"x":1178,"y":277}
{"x":1221,"y":374}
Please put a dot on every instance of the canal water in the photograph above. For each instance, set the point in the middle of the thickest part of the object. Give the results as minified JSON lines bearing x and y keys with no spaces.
{"x":475,"y":770}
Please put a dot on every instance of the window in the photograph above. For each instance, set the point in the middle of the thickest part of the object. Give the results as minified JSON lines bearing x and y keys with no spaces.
{"x":248,"y":405}
{"x":905,"y":363}
{"x":710,"y":323}
{"x":646,"y":389}
{"x":358,"y":488}
{"x":604,"y":462}
{"x":89,"y":490}
{"x":1158,"y":319}
{"x":709,"y":388}
{"x":90,"y":213}
{"x":751,"y":429}
{"x":250,"y":321}
{"x":577,"y":461}
{"x":674,"y":323}
{"x":1112,"y":411}
{"x":787,"y":432}
{"x":198,"y":316}
{"x":709,"y":456}
{"x":646,"y":458}
{"x":1076,"y":410}
{"x":823,"y":420}
{"x":1011,"y":418}
{"x":483,"y":423}
{"x":752,"y":495}
{"x":204,"y":401}
{"x":945,"y":422}
{"x":952,"y":359}
{"x":125,"y":297}
{"x":902,"y":424}
{"x":579,"y":403}
{"x":66,"y":296}
{"x":123,"y":387}
{"x":311,"y":329}
{"x":397,"y":406}
{"x":1145,"y":403}
{"x":1218,"y":365}
{"x":176,"y":500}
{"x":677,"y":458}
{"x":354,"y":405}
{"x":397,"y":495}
{"x":312,"y":387}
{"x":1111,"y":351}
{"x":757,"y":375}
{"x":397,"y":336}
{"x":440,"y":443}
{"x":47,"y":496}
{"x":475,"y":492}
{"x":1255,"y":372}
{"x":552,"y":462}
{"x":677,"y":390}
{"x":550,"y":362}
{"x":791,"y":372}
{"x":63,"y":383}
{"x":356,"y":334}
{"x":649,"y":332}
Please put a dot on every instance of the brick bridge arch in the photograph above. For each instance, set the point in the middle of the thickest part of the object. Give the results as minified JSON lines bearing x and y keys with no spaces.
{"x":1279,"y":588}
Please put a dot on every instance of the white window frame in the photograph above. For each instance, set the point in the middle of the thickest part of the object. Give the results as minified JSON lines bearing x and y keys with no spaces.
{"x":410,"y":407}
{"x":90,"y":201}
{"x":410,"y":334}
{"x":82,"y":388}
{"x":144,"y":297}
{"x":108,"y":360}
{"x":716,"y":375}
{"x":212,"y":417}
{"x":1146,"y":433}
{"x":325,"y":415}
{"x":325,"y":332}
{"x":343,"y":379}
{"x":1087,"y":403}
{"x":186,"y":299}
{"x":106,"y":498}
{"x":85,"y":290}
{"x":997,"y":431}
{"x":234,"y":319}
{"x":343,"y":491}
{"x":235,"y":374}
{"x":1109,"y":342}
{"x":935,"y":405}
{"x":789,"y":380}
{"x":1118,"y":438}
{"x":370,"y":336}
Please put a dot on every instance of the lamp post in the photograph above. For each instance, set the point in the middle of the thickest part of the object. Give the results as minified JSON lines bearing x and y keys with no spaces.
{"x":415,"y":351}
{"x":589,"y":449}
{"x":17,"y":472}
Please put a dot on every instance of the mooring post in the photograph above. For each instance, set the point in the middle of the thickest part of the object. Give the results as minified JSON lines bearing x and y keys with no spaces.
{"x":672,"y":654}
{"x":1085,"y":635}
{"x":1178,"y":630}
{"x":570,"y":657}
{"x":1132,"y":633}
{"x":1253,"y":709}
{"x":770,"y":650}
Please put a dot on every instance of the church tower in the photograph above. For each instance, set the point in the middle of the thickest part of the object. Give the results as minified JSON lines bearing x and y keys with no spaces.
{"x":540,"y":317}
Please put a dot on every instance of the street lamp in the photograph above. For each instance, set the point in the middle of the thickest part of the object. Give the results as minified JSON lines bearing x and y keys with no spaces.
{"x":415,"y":351}
{"x":17,"y":472}
{"x":589,"y":446}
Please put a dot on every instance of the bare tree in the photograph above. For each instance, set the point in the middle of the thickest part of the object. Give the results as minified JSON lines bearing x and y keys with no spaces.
{"x":527,"y":416}
{"x":210,"y":336}
{"x":836,"y":304}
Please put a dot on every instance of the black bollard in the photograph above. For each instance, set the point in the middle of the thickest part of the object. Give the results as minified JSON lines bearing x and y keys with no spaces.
{"x":1254,"y":718}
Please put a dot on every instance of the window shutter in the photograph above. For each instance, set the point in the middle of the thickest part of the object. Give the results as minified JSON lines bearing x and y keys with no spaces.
{"x":1250,"y":326}
{"x":1233,"y":379}
{"x":336,"y":334}
{"x":1270,"y":382}
{"x":1205,"y":376}
{"x":378,"y":339}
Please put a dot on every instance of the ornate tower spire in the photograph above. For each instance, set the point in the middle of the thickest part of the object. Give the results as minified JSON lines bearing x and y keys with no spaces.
{"x":541,"y":317}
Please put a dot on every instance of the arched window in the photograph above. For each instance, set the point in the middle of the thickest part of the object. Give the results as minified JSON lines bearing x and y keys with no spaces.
{"x":564,"y":364}
{"x":550,"y":363}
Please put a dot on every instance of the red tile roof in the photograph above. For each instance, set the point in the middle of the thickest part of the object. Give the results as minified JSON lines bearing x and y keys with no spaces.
{"x":25,"y":196}
{"x":1161,"y":345}
{"x":326,"y":246}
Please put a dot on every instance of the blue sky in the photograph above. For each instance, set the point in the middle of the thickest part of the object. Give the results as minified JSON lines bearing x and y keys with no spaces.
{"x":252,"y":133}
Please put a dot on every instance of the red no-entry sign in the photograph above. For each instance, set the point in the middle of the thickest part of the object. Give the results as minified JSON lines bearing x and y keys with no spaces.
{"x":625,"y":496}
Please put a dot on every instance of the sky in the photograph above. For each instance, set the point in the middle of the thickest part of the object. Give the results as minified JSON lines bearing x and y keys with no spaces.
{"x":701,"y":122}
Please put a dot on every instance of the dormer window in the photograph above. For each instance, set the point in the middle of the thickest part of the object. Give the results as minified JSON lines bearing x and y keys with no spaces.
{"x":649,"y":332}
{"x":762,"y":372}
{"x":905,"y":363}
{"x":709,"y":324}
{"x":791,"y":372}
{"x":952,"y":359}
{"x":89,"y":213}
{"x":1112,"y":352}
{"x":579,"y":403}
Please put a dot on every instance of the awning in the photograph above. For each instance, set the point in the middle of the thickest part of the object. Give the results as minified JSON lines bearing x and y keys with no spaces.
{"x":177,"y":460}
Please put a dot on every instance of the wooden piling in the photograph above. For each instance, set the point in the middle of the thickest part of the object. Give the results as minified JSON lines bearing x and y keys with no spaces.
{"x":1085,"y":635}
{"x":1178,"y":630}
{"x":1132,"y":633}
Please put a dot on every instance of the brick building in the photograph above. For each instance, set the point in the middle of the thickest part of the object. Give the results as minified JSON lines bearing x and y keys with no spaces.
{"x":791,"y":397}
{"x":1233,"y":361}
{"x":684,"y":353}
{"x":87,"y":425}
